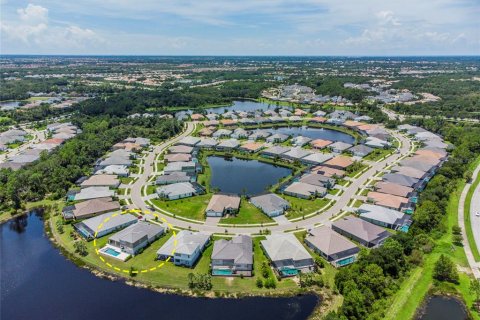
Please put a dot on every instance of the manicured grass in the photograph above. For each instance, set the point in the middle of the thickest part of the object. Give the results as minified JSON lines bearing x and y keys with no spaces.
{"x":151,"y":189}
{"x":467,"y":216}
{"x":248,"y":214}
{"x":378,"y":154}
{"x":192,"y":208}
{"x":302,"y":207}
{"x":126,"y":180}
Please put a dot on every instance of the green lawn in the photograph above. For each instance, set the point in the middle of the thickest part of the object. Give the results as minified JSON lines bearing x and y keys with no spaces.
{"x":126,"y":180}
{"x":248,"y":214}
{"x":302,"y":207}
{"x":151,"y":189}
{"x":377,"y":154}
{"x":192,"y":208}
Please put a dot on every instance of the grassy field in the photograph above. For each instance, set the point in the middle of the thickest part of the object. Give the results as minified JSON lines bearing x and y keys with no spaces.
{"x":419,"y":281}
{"x":302,"y":207}
{"x":192,"y":208}
{"x":248,"y":214}
{"x":169,"y":275}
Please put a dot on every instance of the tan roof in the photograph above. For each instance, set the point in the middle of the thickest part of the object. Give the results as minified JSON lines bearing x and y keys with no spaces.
{"x":206,"y":132}
{"x":393,"y":188}
{"x":320,"y":143}
{"x":339,"y":161}
{"x":318,"y":119}
{"x":127,"y":146}
{"x":367,"y":127}
{"x":196,"y":116}
{"x":54,"y":141}
{"x":430,"y":153}
{"x":228,"y":122}
{"x":329,"y":242}
{"x":91,"y":207}
{"x":300,"y":112}
{"x":387,"y":200}
{"x":351,"y":124}
{"x":210,"y":123}
{"x":328,"y":171}
{"x":109,"y":180}
{"x":409,"y":172}
{"x":178,"y":157}
{"x":221,"y":202}
{"x":252,"y":146}
{"x":426,"y":159}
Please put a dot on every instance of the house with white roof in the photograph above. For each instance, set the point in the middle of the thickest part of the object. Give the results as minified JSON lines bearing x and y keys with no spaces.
{"x":184,"y":249}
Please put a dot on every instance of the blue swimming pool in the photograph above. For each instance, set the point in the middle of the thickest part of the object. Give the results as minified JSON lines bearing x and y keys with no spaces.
{"x":221,"y":272}
{"x":112,"y":252}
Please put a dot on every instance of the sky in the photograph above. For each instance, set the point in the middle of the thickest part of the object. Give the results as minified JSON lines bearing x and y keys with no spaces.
{"x":240,"y":27}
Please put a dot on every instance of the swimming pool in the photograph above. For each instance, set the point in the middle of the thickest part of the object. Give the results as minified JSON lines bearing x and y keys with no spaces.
{"x":112,"y":252}
{"x":221,"y":272}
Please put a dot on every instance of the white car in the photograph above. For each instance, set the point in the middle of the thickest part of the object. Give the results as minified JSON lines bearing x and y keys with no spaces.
{"x":477,"y":214}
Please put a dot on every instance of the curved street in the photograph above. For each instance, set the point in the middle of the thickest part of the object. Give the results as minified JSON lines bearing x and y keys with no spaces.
{"x":138,"y":201}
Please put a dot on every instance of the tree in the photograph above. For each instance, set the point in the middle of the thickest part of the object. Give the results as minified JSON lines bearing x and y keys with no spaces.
{"x":445,"y":270}
{"x":80,"y":248}
{"x":475,"y":288}
{"x":259,"y":283}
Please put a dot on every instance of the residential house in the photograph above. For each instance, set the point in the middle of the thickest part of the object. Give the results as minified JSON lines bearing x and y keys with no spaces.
{"x":177,"y":157}
{"x":277,"y":138}
{"x":188,"y":166}
{"x":89,"y":208}
{"x":119,"y":170}
{"x":401,"y":180}
{"x":360,"y":150}
{"x":233,"y":257}
{"x":329,"y":172}
{"x":184,"y":249}
{"x":174,"y":177}
{"x":93,"y":193}
{"x":229,"y":144}
{"x":207,"y":143}
{"x":252,"y":147}
{"x":300,"y":141}
{"x":222,"y":133}
{"x":304,"y":190}
{"x":295,"y":154}
{"x":135,"y":237}
{"x":339,"y":146}
{"x":189,"y":141}
{"x":259,"y":134}
{"x":176,"y":191}
{"x":320,"y":143}
{"x":98,"y":226}
{"x":275,"y":151}
{"x":339,"y":162}
{"x":317,"y":158}
{"x":270,"y":204}
{"x":394,"y":189}
{"x":240,"y":133}
{"x":101,"y":180}
{"x":361,"y":231}
{"x":385,"y":217}
{"x":222,"y":204}
{"x":318,"y":180}
{"x":388,"y":200}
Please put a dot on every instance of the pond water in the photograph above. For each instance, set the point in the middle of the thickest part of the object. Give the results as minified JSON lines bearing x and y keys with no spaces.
{"x":9,"y":105}
{"x":243,"y":176}
{"x":39,"y":283}
{"x":443,"y":308}
{"x":316,"y":133}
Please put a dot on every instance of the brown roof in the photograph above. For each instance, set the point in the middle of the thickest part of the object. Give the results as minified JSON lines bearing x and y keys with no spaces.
{"x":252,"y":146}
{"x":228,"y":122}
{"x":196,"y":116}
{"x":351,"y":124}
{"x":54,"y":141}
{"x":320,"y":143}
{"x":387,"y":200}
{"x":91,"y":207}
{"x":339,"y":161}
{"x":206,"y":132}
{"x":367,"y":127}
{"x":108,"y":180}
{"x":425,"y":159}
{"x":318,"y":119}
{"x":210,"y":123}
{"x":328,"y":241}
{"x":221,"y":202}
{"x":178,"y":157}
{"x":430,"y":153}
{"x":329,"y":172}
{"x":393,"y":188}
{"x":300,"y":112}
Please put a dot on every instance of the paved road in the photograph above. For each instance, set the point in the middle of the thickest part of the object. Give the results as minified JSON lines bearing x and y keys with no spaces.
{"x":324,"y":218}
{"x":475,"y":222}
{"x":38,"y":136}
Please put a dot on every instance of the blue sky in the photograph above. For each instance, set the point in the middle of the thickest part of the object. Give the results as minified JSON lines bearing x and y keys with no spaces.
{"x":241,"y":27}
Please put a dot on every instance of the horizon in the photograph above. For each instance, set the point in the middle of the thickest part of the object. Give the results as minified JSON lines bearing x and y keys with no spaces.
{"x":247,"y":28}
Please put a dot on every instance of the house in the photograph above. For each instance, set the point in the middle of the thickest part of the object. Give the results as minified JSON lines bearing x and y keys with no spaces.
{"x":287,"y":254}
{"x":233,"y":257}
{"x":115,"y":161}
{"x":300,"y":141}
{"x":401,"y":180}
{"x":184,"y":249}
{"x":319,"y":113}
{"x":207,"y":143}
{"x":93,"y":193}
{"x":196,"y":117}
{"x":339,"y":162}
{"x":318,"y":180}
{"x":212,"y":122}
{"x":410,"y":172}
{"x":189,"y":141}
{"x":252,"y":147}
{"x":143,"y":142}
{"x":275,"y":151}
{"x":295,"y":154}
{"x":206,"y":132}
{"x":423,"y":166}
{"x":300,"y":112}
{"x":385,"y":217}
{"x":101,"y":180}
{"x":89,"y":208}
{"x":388,"y":200}
{"x":188,"y":166}
{"x":336,"y":249}
{"x":318,"y":119}
{"x":240,"y":133}
{"x":393,"y":189}
{"x":259,"y":134}
{"x":104,"y":224}
{"x":304,"y":190}
{"x":339,"y":146}
{"x":329,"y":172}
{"x":270,"y":204}
{"x":119,"y":170}
{"x":176,"y":191}
{"x":136,"y":237}
{"x":222,"y":204}
{"x":228,"y":122}
{"x":361,"y":231}
{"x":360,"y":150}
{"x":228,"y":144}
{"x":181,"y":149}
{"x":222,"y":133}
{"x":320,"y":143}
{"x":277,"y":138}
{"x":174,"y":177}
{"x":377,"y":143}
{"x":317,"y":158}
{"x":178,"y":157}
{"x":295,"y":119}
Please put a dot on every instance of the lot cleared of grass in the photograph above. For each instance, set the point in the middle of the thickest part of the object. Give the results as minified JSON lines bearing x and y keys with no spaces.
{"x":191,"y":208}
{"x":248,"y":213}
{"x":169,"y":275}
{"x":302,"y":207}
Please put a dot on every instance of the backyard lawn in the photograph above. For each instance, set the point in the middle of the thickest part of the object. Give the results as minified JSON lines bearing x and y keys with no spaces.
{"x":302,"y":207}
{"x":192,"y":208}
{"x":248,"y":214}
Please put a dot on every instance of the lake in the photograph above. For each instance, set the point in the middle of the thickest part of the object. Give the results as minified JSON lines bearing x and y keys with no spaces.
{"x":9,"y":105}
{"x":315,"y":133}
{"x":238,"y":175}
{"x":39,"y":283}
{"x":443,"y":308}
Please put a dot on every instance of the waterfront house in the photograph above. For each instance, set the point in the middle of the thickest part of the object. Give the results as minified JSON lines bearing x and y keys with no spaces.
{"x":136,"y":237}
{"x":336,"y":249}
{"x":229,"y":144}
{"x":275,"y":151}
{"x":318,"y":119}
{"x":320,"y":143}
{"x":184,"y":249}
{"x":259,"y":134}
{"x":295,"y":154}
{"x":270,"y":204}
{"x":385,"y":217}
{"x":240,"y":133}
{"x":177,"y":157}
{"x":360,"y":150}
{"x":93,"y":193}
{"x":339,"y":146}
{"x":300,"y":141}
{"x":316,"y":158}
{"x":101,"y":180}
{"x":233,"y":257}
{"x":277,"y":138}
{"x":174,"y":177}
{"x":180,"y":149}
{"x":90,"y":208}
{"x":104,"y":224}
{"x":304,"y":190}
{"x":207,"y":143}
{"x":251,"y":147}
{"x":222,"y":204}
{"x":361,"y":231}
{"x":287,"y":254}
{"x":176,"y":191}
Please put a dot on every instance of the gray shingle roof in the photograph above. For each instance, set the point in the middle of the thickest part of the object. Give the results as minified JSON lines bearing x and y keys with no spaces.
{"x":239,"y":249}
